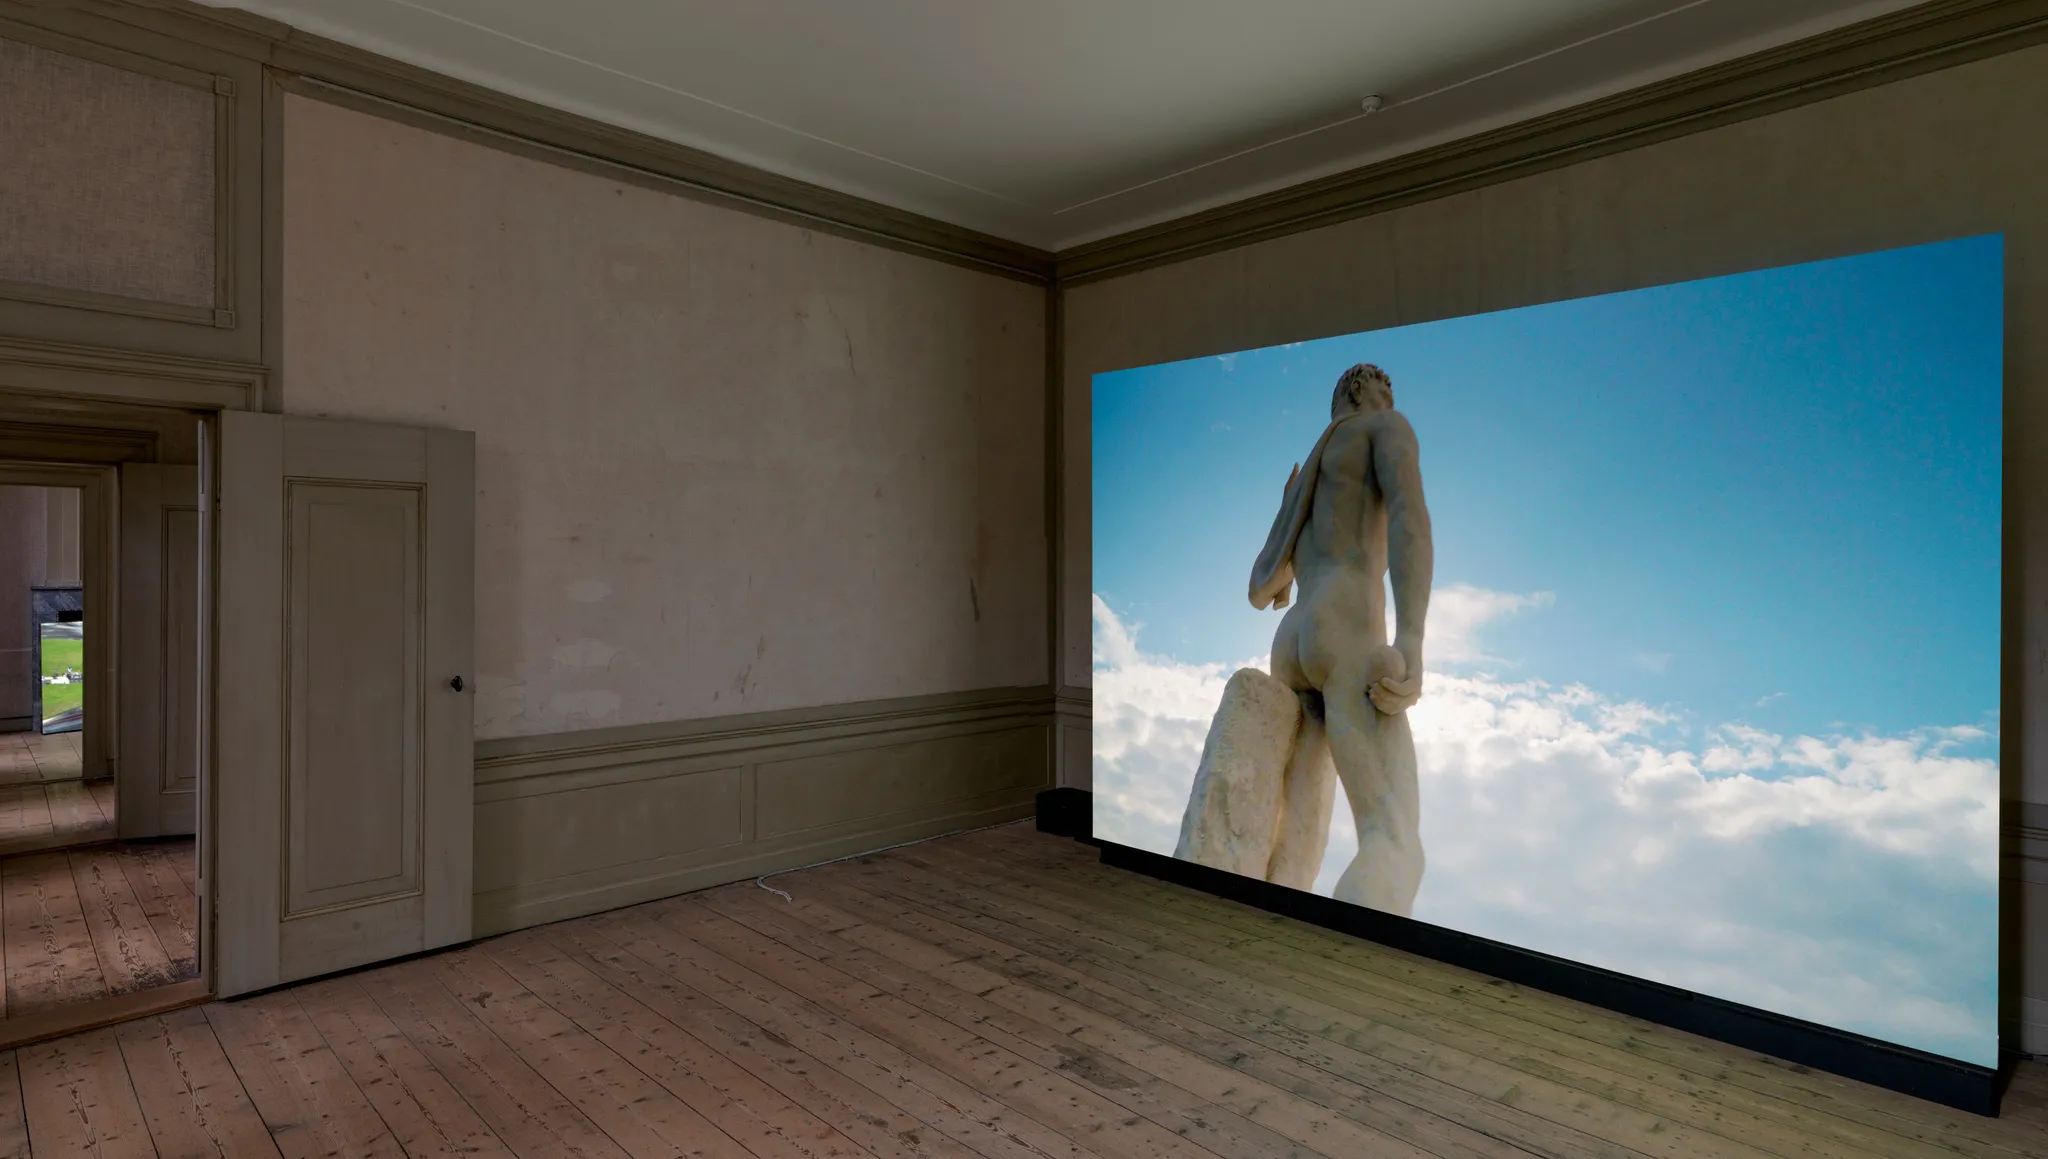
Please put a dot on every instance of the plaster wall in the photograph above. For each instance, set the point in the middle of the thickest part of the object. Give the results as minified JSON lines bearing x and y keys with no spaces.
{"x":1943,"y":155}
{"x":724,"y":464}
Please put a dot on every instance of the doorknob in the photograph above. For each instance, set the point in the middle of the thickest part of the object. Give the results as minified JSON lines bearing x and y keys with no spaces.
{"x":456,"y":684}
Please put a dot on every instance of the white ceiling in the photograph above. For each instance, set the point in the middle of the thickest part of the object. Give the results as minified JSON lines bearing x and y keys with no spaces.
{"x":1055,"y":122}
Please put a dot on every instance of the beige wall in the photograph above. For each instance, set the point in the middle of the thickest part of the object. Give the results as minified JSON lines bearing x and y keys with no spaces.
{"x":724,"y":464}
{"x":1944,"y":155}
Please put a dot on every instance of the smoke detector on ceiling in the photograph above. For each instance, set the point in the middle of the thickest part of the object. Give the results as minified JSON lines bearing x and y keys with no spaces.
{"x":1372,"y":104}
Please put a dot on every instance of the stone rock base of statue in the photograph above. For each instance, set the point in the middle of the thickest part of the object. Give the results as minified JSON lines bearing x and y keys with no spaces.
{"x":1261,"y":801}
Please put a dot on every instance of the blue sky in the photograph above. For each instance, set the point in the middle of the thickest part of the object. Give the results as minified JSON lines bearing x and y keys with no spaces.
{"x":1717,"y":569}
{"x":1772,"y":496}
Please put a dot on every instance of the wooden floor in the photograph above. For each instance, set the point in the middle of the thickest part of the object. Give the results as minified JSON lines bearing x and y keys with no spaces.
{"x":93,"y":923}
{"x":993,"y":996}
{"x":43,"y":803}
{"x":55,"y":814}
{"x":33,"y":756}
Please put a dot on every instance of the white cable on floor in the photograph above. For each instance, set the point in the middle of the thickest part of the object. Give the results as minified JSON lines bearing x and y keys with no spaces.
{"x":762,"y":881}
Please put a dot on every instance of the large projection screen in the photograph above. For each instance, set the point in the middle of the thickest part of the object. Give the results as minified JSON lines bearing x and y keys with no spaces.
{"x":1709,"y":667}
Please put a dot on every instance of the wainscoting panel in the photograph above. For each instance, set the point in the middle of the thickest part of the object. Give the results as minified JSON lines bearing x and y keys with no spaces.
{"x":2024,"y":846}
{"x":577,"y":823}
{"x":1075,"y":764}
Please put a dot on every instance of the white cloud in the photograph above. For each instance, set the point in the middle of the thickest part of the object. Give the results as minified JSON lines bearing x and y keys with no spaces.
{"x":1845,"y":879}
{"x":1456,"y":612}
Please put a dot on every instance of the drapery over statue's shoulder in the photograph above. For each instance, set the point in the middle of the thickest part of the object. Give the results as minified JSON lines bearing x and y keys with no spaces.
{"x":1273,"y":573}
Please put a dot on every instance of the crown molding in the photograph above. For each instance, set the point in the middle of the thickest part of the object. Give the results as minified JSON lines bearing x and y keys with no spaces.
{"x":326,"y":69}
{"x":1931,"y":36}
{"x":1925,"y":38}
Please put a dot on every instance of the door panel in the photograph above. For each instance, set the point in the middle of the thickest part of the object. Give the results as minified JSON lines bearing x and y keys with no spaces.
{"x":346,"y":586}
{"x":157,"y":774}
{"x":352,"y":789}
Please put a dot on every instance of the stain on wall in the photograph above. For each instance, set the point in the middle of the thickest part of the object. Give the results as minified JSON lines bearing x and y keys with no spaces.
{"x":724,"y":464}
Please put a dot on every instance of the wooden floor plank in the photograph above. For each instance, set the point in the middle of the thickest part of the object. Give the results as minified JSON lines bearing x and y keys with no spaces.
{"x":997,"y":995}
{"x":24,"y":811}
{"x":155,"y":872}
{"x":1372,"y":1000}
{"x":1187,"y":1096}
{"x":74,"y":809}
{"x":530,"y":1116}
{"x":1471,"y":1020}
{"x":308,"y":1102}
{"x":17,"y":764}
{"x":1890,"y":1123}
{"x":44,"y":815}
{"x":1041,"y":1092}
{"x":877,"y":1121}
{"x":193,"y":1103}
{"x":428,"y":1116}
{"x":637,"y":1113}
{"x":58,"y":756}
{"x":50,"y":959}
{"x":13,"y":1113}
{"x":12,"y":802}
{"x":1366,"y":1090}
{"x":941,"y":1100}
{"x":124,"y":941}
{"x":1217,"y":996}
{"x":761,"y":1120}
{"x":80,"y":1100}
{"x":76,"y":935}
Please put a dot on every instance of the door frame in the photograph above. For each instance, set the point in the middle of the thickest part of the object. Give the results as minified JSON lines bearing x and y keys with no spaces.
{"x":82,"y":388}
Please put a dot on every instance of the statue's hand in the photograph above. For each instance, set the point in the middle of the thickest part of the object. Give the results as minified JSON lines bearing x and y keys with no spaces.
{"x":1394,"y":678}
{"x":1393,"y":695}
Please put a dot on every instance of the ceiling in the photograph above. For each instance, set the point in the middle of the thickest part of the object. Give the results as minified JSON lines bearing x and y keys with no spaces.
{"x":1057,"y":122}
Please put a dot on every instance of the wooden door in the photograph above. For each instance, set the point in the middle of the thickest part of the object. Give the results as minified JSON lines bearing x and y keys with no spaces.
{"x":343,"y":739}
{"x":157,"y":782}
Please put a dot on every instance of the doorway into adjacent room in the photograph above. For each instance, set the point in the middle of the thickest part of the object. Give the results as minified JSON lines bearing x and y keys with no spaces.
{"x":46,"y":801}
{"x":98,"y":863}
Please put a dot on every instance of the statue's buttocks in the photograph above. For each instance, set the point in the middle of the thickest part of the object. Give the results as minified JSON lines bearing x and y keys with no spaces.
{"x":1351,"y":517}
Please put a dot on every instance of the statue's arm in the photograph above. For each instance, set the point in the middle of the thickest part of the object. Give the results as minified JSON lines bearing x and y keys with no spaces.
{"x":1411,"y":554}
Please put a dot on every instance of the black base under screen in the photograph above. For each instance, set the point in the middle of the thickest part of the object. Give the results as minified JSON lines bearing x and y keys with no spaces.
{"x":1964,"y":1086}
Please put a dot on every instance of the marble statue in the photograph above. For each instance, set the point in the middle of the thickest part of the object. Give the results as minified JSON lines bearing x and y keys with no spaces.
{"x":1335,"y":705}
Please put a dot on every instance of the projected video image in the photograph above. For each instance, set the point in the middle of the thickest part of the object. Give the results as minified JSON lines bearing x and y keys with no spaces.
{"x":1658,"y":631}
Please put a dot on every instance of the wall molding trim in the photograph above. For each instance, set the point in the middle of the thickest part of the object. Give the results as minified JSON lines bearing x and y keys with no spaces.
{"x":575,"y":823}
{"x":326,"y":69}
{"x":60,"y":370}
{"x":100,"y":32}
{"x":563,"y":753}
{"x":1928,"y":37}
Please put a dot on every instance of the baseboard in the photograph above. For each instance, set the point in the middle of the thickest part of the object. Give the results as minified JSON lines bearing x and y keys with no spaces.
{"x":576,"y":824}
{"x":17,"y":724}
{"x":97,"y":1012}
{"x":1928,"y":1076}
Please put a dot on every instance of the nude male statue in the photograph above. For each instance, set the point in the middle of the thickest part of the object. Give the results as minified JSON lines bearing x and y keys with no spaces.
{"x":1353,"y":514}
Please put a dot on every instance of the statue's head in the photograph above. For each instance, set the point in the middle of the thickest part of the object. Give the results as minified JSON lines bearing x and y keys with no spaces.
{"x":1364,"y":387}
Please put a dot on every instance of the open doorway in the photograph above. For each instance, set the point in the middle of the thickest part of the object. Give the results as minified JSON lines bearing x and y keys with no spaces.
{"x":98,"y":859}
{"x":46,"y":800}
